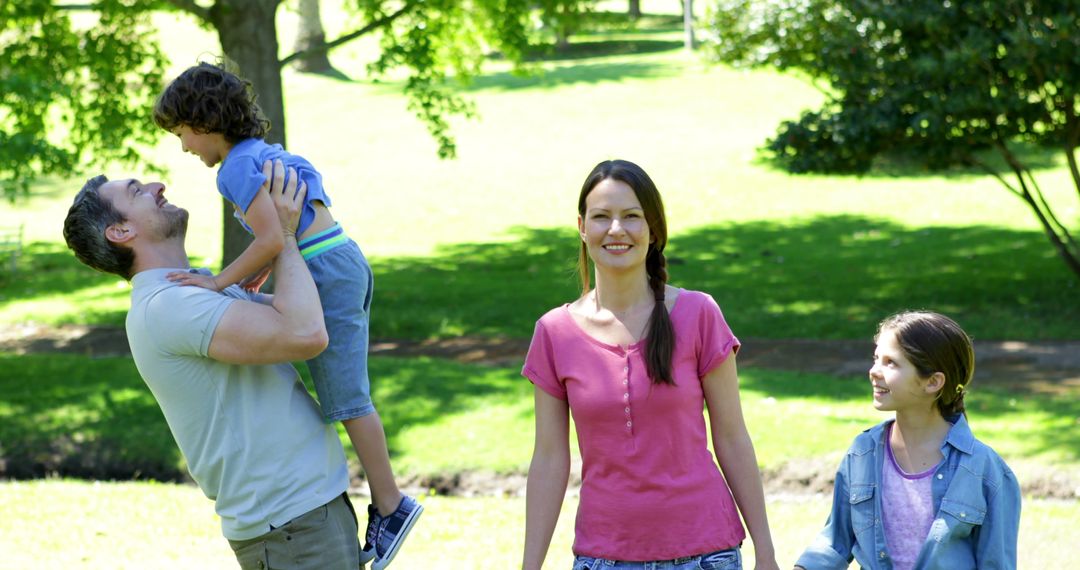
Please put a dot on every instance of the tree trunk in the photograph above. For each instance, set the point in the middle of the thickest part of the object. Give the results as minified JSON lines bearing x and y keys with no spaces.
{"x":248,"y":37}
{"x":688,"y":24}
{"x":310,"y":34}
{"x":635,"y":9}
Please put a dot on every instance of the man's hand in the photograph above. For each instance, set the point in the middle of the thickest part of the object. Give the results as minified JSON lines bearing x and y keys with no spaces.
{"x":196,"y":279}
{"x":291,"y":327}
{"x":288,"y":199}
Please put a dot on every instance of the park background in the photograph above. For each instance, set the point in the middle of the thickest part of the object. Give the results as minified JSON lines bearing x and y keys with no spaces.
{"x":481,"y":245}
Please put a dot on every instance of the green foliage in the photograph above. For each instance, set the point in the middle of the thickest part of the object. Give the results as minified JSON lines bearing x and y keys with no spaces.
{"x":435,"y":40}
{"x":564,"y":17}
{"x":67,"y":89}
{"x":933,"y":80}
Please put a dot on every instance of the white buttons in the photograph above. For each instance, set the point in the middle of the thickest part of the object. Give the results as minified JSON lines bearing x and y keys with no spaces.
{"x":940,"y":476}
{"x":628,"y":424}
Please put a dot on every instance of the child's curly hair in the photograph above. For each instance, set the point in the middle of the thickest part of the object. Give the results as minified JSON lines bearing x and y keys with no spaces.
{"x":210,"y":99}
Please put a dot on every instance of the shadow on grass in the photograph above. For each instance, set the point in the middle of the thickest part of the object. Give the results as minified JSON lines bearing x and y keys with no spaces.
{"x":50,"y":270}
{"x":81,"y":417}
{"x":582,"y":73}
{"x":602,"y":48}
{"x":825,"y":277}
{"x":822,"y":277}
{"x":1041,"y":424}
{"x":415,"y":392}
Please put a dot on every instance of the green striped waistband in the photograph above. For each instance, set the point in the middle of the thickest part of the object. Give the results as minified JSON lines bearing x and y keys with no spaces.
{"x":322,"y":242}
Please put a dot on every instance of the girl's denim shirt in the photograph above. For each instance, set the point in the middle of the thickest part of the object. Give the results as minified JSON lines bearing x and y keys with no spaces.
{"x":976,"y":498}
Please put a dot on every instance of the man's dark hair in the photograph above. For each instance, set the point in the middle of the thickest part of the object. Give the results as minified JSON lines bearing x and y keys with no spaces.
{"x":84,"y":231}
{"x":210,"y":99}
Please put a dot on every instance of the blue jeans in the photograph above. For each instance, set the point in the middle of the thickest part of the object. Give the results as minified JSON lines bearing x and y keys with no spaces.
{"x":730,"y":559}
{"x":340,"y":372}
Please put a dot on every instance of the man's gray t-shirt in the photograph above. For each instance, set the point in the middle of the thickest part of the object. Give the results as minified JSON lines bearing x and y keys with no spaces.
{"x":252,"y":436}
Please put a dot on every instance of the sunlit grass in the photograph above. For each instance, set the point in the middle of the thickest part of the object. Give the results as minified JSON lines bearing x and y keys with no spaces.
{"x":111,"y":526}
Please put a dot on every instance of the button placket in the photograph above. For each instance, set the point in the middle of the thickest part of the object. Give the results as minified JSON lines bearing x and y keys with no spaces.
{"x":626,"y":395}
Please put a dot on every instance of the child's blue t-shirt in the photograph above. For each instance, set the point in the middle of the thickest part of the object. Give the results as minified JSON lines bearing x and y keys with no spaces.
{"x":240,"y":177}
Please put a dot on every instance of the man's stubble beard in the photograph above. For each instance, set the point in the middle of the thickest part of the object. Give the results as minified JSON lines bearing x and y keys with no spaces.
{"x":177,"y":224}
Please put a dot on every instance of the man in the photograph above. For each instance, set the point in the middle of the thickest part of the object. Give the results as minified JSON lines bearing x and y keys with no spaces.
{"x":218,"y":365}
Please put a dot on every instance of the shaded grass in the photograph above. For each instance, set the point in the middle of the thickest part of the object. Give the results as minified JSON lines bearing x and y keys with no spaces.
{"x":817,"y":277}
{"x":95,"y":418}
{"x":823,"y":277}
{"x":119,"y":526}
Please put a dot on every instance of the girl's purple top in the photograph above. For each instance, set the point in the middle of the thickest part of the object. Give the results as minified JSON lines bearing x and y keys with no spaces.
{"x":650,"y":488}
{"x":907,"y":509}
{"x":240,"y":177}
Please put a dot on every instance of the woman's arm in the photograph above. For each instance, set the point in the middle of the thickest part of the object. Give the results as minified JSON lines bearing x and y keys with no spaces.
{"x":735,"y":453}
{"x":548,"y":474}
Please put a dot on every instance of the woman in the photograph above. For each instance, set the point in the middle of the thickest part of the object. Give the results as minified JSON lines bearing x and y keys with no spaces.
{"x":634,"y":360}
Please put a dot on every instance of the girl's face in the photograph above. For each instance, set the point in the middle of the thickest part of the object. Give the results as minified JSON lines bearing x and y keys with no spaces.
{"x":613,"y":227}
{"x":211,"y":148}
{"x":896,"y":382}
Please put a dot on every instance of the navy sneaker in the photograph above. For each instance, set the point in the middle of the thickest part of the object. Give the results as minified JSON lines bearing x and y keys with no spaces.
{"x":390,"y":532}
{"x":368,"y":553}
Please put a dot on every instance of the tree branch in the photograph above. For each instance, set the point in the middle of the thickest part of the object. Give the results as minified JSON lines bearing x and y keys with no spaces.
{"x":986,"y":167}
{"x":1072,"y":138}
{"x":191,"y":7}
{"x":370,"y":27}
{"x":1060,"y":228}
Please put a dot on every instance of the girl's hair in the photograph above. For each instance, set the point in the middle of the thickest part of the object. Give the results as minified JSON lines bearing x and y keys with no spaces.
{"x":660,"y":335}
{"x":210,"y":99}
{"x":935,"y":343}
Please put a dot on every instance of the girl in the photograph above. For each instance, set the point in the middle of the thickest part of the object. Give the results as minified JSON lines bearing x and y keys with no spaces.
{"x":920,"y":491}
{"x":635,"y":360}
{"x":215,"y":115}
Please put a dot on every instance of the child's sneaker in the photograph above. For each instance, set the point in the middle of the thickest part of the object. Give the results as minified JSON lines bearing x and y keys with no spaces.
{"x":386,"y":534}
{"x":368,"y":553}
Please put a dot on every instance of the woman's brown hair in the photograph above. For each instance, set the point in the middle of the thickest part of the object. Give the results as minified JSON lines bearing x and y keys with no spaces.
{"x":660,"y":334}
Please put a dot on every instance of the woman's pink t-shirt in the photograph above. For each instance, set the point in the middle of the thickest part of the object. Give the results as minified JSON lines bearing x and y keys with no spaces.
{"x":650,"y":488}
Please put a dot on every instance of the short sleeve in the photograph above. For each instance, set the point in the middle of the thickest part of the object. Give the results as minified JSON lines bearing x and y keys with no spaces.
{"x":240,"y":179}
{"x":717,"y":340}
{"x":190,"y":330}
{"x":539,"y":365}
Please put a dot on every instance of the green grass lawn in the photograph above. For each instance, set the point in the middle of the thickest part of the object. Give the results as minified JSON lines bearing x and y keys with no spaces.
{"x":120,"y":526}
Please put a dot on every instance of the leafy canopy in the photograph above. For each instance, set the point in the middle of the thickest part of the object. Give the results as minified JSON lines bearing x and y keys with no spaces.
{"x":938,"y":79}
{"x":67,"y":88}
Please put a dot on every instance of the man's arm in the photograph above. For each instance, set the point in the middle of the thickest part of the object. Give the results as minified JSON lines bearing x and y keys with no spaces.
{"x":291,"y":327}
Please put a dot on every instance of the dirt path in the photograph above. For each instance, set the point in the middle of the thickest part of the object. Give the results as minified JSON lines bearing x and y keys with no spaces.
{"x":1050,"y":367}
{"x":1024,"y":366}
